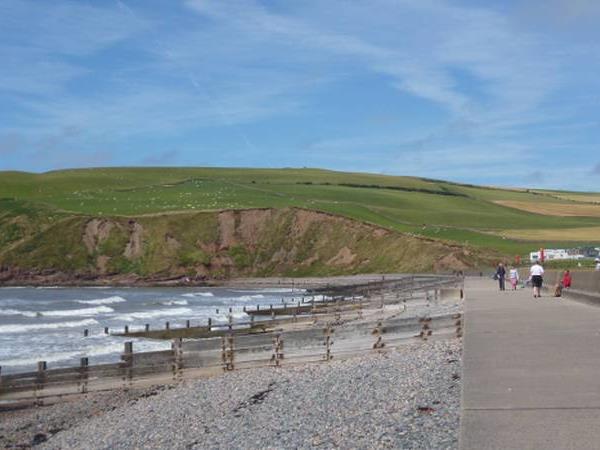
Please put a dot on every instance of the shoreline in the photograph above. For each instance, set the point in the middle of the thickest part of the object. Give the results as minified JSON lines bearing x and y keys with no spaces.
{"x":405,"y":398}
{"x":258,"y":282}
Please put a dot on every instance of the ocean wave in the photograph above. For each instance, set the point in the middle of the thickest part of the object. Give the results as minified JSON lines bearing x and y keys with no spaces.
{"x":78,"y":312}
{"x":153,"y":314}
{"x":198,"y":294}
{"x":16,"y":312}
{"x":100,"y":350}
{"x":174,"y":302}
{"x":249,"y":298}
{"x":5,"y":329}
{"x":103,"y":301}
{"x":32,"y":360}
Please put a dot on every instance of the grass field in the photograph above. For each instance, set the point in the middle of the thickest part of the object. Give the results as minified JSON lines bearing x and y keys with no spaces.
{"x":555,"y":208}
{"x":500,"y":219}
{"x":570,"y":234}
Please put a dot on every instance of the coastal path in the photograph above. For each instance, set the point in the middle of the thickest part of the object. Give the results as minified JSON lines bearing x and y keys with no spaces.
{"x":531,"y":374}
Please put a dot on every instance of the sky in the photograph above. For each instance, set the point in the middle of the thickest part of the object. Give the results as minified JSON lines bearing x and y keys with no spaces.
{"x":496,"y":93}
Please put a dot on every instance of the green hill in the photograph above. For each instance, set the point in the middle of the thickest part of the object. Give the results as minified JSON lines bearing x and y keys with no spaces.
{"x":83,"y":222}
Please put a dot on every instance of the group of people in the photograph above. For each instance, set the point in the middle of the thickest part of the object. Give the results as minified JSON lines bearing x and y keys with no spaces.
{"x":536,"y":277}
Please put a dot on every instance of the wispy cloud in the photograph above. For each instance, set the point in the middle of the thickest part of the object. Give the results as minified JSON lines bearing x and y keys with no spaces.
{"x":469,"y":91}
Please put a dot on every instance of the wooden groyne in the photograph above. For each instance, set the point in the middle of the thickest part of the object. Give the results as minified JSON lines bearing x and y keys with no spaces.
{"x":307,"y":309}
{"x":197,"y":357}
{"x":342,"y":328}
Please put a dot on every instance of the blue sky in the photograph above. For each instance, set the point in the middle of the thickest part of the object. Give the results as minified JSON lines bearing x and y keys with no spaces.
{"x":502,"y":93}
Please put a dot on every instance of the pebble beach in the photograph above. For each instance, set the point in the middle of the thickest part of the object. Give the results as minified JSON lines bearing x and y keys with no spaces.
{"x":408,"y":397}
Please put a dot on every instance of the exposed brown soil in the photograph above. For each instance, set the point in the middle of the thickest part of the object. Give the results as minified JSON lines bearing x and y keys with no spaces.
{"x":134,"y":246}
{"x":96,"y":232}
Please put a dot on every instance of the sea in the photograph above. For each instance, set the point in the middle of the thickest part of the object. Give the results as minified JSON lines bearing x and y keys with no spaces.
{"x":48,"y":323}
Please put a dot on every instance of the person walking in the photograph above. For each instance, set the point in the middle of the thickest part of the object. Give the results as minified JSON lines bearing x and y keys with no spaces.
{"x":597,"y":261}
{"x":501,"y":276}
{"x":513,"y":275}
{"x":537,"y":278}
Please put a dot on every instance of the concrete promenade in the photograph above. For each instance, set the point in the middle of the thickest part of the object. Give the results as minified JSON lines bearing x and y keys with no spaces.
{"x":531,"y":375}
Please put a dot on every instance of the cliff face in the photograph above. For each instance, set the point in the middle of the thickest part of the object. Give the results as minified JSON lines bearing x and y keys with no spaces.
{"x":216,"y":245}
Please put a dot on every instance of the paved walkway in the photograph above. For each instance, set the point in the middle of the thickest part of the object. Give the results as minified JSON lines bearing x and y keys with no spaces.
{"x":531,"y":371}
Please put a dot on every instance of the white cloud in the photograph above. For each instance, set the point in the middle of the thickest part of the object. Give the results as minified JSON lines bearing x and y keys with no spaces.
{"x":123,"y":71}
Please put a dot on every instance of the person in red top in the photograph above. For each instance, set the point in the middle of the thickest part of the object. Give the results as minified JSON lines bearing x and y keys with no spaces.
{"x":566,"y":281}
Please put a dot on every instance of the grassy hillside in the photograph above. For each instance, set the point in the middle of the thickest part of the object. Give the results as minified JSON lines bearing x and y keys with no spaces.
{"x":37,"y":209}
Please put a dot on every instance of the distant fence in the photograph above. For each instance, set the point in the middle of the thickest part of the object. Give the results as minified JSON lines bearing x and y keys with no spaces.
{"x":214,"y":355}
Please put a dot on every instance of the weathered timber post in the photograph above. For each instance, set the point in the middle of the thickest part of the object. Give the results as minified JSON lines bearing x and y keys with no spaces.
{"x":40,"y":381}
{"x":378,"y":333}
{"x":328,"y":342}
{"x":83,"y":375}
{"x":227,"y":353}
{"x":127,"y":364}
{"x":426,"y":330}
{"x":209,"y":324}
{"x":458,"y":324}
{"x":177,"y":366}
{"x":277,"y":356}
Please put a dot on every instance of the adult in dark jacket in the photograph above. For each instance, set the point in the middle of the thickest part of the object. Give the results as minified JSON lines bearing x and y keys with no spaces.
{"x":501,"y":276}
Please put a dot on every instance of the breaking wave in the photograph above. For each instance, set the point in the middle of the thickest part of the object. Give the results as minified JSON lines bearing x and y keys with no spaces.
{"x":199,"y":294}
{"x":78,"y":312}
{"x":4,"y":329}
{"x":154,"y":314}
{"x":103,"y":301}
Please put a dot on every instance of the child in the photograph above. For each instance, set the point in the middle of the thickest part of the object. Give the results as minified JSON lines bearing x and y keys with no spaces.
{"x":514,"y":277}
